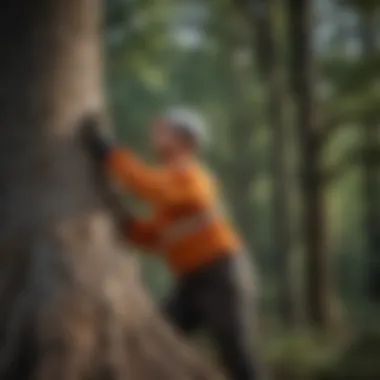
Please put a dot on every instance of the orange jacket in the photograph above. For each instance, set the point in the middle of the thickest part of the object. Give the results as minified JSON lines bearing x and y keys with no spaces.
{"x":176,"y":195}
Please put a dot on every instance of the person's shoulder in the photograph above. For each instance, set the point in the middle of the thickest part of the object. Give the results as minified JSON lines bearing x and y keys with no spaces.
{"x":197,"y":169}
{"x":190,"y":172}
{"x":203,"y":176}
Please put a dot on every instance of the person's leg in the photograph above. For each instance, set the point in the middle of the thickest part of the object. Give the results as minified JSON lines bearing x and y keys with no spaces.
{"x":179,"y":310}
{"x":225,"y":306}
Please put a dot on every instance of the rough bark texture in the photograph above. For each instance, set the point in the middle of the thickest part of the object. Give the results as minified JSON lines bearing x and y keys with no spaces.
{"x":71,"y":304}
{"x":318,"y":265}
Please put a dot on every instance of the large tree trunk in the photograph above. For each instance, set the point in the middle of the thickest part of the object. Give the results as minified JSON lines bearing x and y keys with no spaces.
{"x":371,"y":162}
{"x":71,"y":305}
{"x":318,"y":265}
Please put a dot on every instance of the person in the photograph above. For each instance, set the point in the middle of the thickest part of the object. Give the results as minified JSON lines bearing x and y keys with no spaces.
{"x":189,"y":227}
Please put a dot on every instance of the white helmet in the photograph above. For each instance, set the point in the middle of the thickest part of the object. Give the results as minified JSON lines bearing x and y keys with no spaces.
{"x":188,"y":121}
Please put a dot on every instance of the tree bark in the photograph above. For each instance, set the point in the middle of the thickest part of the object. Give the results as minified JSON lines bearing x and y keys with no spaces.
{"x":71,"y":304}
{"x":318,"y":265}
{"x":371,"y":163}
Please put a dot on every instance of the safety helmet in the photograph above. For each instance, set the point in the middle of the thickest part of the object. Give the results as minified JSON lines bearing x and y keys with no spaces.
{"x":190,"y":122}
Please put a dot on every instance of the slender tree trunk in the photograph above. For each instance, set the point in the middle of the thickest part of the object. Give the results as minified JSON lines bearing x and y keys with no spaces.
{"x":371,"y":165}
{"x":241,"y":175}
{"x":271,"y":70}
{"x":71,"y":305}
{"x":268,"y":58}
{"x":318,"y":265}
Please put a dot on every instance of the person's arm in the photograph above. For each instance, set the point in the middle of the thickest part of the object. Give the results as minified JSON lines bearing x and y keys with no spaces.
{"x":134,"y":175}
{"x":148,"y":183}
{"x":143,"y":233}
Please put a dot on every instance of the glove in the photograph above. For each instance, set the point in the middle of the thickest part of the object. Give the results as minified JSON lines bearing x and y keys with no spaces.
{"x":126,"y":221}
{"x":95,"y":140}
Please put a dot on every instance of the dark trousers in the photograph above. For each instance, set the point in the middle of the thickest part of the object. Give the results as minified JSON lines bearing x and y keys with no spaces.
{"x":218,"y":299}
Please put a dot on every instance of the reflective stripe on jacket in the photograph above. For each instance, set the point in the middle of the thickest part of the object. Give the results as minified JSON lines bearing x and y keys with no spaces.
{"x":188,"y":226}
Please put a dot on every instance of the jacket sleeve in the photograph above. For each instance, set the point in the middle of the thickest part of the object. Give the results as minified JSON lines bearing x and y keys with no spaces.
{"x":148,"y":183}
{"x":142,"y":233}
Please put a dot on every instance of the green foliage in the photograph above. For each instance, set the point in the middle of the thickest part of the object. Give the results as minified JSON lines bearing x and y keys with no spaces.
{"x":301,"y":357}
{"x":305,"y":356}
{"x":361,"y":5}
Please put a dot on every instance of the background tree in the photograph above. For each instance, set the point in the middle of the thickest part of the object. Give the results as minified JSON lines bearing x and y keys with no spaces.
{"x":267,"y":50}
{"x":303,"y":78}
{"x":368,"y":13}
{"x":240,"y":178}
